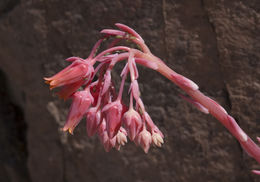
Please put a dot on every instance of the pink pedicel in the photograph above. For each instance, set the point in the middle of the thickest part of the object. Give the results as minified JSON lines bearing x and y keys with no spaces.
{"x":102,"y":105}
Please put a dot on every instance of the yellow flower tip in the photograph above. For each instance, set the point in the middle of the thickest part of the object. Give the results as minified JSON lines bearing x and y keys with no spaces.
{"x":47,"y":81}
{"x":71,"y":131}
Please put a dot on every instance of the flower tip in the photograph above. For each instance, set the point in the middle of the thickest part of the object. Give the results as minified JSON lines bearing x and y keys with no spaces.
{"x":258,"y":139}
{"x":257,"y":172}
{"x":146,"y":150}
{"x":71,"y":131}
{"x":157,"y":139}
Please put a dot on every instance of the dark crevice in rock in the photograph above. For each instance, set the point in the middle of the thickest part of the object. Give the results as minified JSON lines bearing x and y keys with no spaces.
{"x":13,"y":151}
{"x":7,"y":6}
{"x":164,"y":29}
{"x":227,"y":99}
{"x":212,"y":26}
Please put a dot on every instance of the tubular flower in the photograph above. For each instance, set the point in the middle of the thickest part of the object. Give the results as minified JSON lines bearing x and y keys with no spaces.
{"x":78,"y":70}
{"x":109,"y":112}
{"x":81,"y":102}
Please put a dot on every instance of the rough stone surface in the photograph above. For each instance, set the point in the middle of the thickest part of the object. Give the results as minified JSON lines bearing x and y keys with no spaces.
{"x":215,"y":43}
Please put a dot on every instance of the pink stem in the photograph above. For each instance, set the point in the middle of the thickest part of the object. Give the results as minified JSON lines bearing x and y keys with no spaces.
{"x":122,"y":86}
{"x":131,"y":101}
{"x":94,"y":49}
{"x":214,"y":108}
{"x":117,"y":48}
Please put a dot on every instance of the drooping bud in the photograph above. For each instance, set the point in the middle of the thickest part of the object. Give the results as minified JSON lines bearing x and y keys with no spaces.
{"x":81,"y":102}
{"x":107,"y":142}
{"x":157,"y":139}
{"x":92,"y":120}
{"x":121,"y":138}
{"x":144,"y":139}
{"x":132,"y":122}
{"x":113,"y":113}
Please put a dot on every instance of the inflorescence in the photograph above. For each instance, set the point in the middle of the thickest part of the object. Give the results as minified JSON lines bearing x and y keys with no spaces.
{"x":106,"y":113}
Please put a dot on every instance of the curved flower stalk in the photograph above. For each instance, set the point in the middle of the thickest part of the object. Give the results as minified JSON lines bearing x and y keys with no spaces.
{"x":104,"y":109}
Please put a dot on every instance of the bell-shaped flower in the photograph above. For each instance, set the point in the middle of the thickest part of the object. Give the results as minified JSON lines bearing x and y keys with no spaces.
{"x":144,"y":139}
{"x":132,"y":122}
{"x":80,"y":104}
{"x":113,"y":113}
{"x":78,"y":70}
{"x":93,"y":118}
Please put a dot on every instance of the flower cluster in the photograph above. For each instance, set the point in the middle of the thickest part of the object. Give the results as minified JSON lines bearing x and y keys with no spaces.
{"x":102,"y":105}
{"x":106,"y":114}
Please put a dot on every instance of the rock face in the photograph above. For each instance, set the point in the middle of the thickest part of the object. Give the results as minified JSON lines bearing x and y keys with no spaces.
{"x":215,"y":43}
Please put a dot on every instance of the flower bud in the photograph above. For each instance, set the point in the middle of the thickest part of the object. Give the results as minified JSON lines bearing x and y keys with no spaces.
{"x":132,"y":122}
{"x":81,"y":102}
{"x":121,"y":136}
{"x":92,"y":120}
{"x":144,"y":139}
{"x":107,"y":142}
{"x":157,"y":139}
{"x":113,"y":113}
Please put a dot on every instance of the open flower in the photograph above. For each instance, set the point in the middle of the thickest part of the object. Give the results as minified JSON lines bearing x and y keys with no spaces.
{"x":78,"y":70}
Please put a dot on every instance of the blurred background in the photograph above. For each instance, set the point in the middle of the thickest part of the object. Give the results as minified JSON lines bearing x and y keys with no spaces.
{"x":216,"y":43}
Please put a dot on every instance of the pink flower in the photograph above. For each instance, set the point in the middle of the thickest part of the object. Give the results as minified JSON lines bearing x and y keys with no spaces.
{"x":132,"y":122}
{"x":81,"y":102}
{"x":93,"y":118}
{"x":113,"y":113}
{"x":67,"y":90}
{"x":107,"y":142}
{"x":78,"y":70}
{"x":144,"y":139}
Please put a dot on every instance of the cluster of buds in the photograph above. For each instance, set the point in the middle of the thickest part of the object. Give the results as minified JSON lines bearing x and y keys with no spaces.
{"x":105,"y":112}
{"x":100,"y":103}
